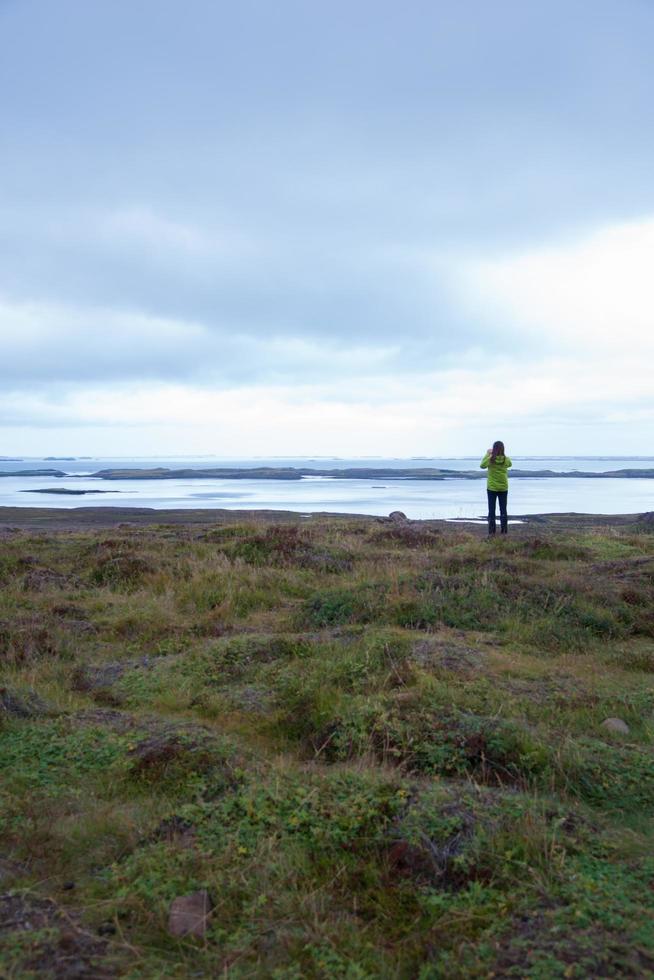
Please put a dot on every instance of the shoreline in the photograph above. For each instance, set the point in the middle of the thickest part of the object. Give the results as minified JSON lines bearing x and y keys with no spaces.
{"x":90,"y":518}
{"x":296,"y":474}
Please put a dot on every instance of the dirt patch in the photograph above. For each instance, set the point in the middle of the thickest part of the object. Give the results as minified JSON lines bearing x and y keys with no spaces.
{"x":564,"y":690}
{"x":66,"y":950}
{"x":432,"y":862}
{"x":250,"y":698}
{"x":436,"y":654}
{"x":157,"y":751}
{"x":534,"y":942}
{"x":154,"y":755}
{"x":409,"y":535}
{"x":42,"y":579}
{"x":624,"y":567}
{"x":28,"y":638}
{"x":161,"y":749}
{"x":79,"y":627}
{"x":117,"y":721}
{"x":173,"y":830}
{"x":68,"y":610}
{"x":22,"y":704}
{"x":92,"y":679}
{"x":72,"y":619}
{"x":98,"y":681}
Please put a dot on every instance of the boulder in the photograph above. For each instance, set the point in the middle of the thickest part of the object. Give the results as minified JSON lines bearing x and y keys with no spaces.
{"x":398,"y":517}
{"x":616,"y":725}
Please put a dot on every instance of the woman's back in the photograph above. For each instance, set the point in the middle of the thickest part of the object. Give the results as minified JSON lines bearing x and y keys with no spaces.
{"x":498,"y":466}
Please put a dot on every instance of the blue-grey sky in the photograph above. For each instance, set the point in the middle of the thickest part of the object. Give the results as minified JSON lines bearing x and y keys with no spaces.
{"x":348,"y":227}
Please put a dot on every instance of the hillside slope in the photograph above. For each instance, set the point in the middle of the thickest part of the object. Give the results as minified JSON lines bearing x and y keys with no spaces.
{"x":369,"y":749}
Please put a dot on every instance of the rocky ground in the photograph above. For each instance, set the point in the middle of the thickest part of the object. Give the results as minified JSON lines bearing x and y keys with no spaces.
{"x":81,"y":518}
{"x":252,"y":745}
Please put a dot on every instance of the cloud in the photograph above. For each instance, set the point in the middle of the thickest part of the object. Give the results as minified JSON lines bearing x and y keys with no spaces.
{"x":55,"y":345}
{"x":543,"y":406}
{"x":590,"y":297}
{"x":405,"y":231}
{"x":326,"y":286}
{"x":578,"y":369}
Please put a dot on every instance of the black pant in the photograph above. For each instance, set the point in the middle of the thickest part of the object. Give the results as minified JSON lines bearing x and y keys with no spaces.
{"x":494,"y":495}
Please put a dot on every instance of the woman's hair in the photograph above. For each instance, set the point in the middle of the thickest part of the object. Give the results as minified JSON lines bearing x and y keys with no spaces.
{"x":498,"y":450}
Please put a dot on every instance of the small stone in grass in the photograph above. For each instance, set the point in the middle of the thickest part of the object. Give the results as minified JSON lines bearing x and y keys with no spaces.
{"x":616,"y":725}
{"x":188,"y":914}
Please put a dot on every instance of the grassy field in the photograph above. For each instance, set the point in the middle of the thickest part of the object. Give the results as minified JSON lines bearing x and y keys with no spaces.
{"x":378,"y":748}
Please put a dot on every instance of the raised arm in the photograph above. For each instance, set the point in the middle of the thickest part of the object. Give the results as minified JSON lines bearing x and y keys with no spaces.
{"x":508,"y":462}
{"x":484,"y":463}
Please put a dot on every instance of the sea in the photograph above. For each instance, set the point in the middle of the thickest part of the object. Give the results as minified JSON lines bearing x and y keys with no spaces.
{"x":451,"y":499}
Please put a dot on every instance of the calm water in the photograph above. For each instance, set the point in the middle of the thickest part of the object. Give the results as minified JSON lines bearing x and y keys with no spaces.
{"x":418,"y":499}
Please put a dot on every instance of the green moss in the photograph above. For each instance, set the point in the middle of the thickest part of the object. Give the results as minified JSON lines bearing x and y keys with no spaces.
{"x":335,"y":607}
{"x":609,"y":776}
{"x":55,"y":755}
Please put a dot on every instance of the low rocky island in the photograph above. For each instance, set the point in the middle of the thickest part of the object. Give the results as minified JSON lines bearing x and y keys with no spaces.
{"x":39,"y":472}
{"x":351,"y":473}
{"x":67,"y":491}
{"x":355,"y":473}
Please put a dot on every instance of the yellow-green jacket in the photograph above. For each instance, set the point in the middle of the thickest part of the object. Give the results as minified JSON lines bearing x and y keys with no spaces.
{"x":498,"y":478}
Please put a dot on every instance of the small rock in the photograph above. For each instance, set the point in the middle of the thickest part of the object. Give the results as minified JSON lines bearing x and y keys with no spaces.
{"x":616,"y":725}
{"x":188,"y":915}
{"x":398,"y":517}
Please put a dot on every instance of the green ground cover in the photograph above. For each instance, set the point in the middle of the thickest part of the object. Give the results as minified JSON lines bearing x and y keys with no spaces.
{"x":379,"y":748}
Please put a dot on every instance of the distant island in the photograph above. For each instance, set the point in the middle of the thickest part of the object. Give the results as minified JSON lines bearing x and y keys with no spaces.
{"x":355,"y":473}
{"x":65,"y":490}
{"x":42,"y":472}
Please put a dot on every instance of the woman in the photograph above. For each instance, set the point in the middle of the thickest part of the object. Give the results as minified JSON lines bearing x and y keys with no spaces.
{"x":497,"y":463}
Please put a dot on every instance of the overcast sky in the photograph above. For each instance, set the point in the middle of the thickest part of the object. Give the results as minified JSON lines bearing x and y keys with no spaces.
{"x":345,"y":227}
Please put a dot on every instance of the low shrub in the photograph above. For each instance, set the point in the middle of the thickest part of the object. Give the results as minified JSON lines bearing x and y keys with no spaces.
{"x":335,"y":607}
